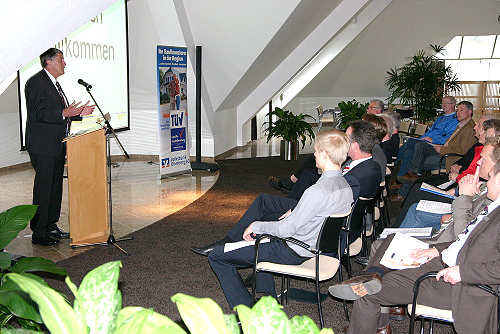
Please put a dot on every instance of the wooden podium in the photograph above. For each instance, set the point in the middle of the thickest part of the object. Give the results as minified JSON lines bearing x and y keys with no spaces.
{"x":88,"y":192}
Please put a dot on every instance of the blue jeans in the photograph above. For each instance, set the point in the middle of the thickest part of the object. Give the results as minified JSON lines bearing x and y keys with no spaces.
{"x":424,"y":154}
{"x":405,"y":155}
{"x":417,"y":218}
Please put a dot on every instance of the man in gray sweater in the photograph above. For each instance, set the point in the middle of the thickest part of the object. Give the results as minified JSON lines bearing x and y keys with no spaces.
{"x":330,"y":195}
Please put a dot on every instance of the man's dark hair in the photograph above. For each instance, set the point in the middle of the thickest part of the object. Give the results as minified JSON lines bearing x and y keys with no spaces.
{"x":48,"y":55}
{"x":363,"y":133}
{"x":467,"y":105}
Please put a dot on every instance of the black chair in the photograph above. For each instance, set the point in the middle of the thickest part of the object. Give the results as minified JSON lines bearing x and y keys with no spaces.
{"x":431,"y":313}
{"x":362,"y":210}
{"x":318,"y":268}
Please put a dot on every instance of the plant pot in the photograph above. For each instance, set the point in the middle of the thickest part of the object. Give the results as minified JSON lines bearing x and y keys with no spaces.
{"x":289,"y":150}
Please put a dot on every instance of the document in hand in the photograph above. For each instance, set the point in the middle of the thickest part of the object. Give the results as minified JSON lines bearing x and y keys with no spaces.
{"x":440,"y":208}
{"x":231,"y":246}
{"x":418,"y":232}
{"x":397,"y":255}
{"x":435,"y":190}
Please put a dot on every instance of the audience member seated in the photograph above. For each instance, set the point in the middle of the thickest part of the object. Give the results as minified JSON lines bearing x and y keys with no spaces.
{"x":490,"y":129}
{"x":386,"y":143}
{"x":471,"y":259}
{"x":439,"y":132}
{"x":330,"y":195}
{"x":417,"y":218}
{"x":375,"y":107}
{"x":459,"y":142}
{"x":396,"y":121}
{"x":286,"y":184}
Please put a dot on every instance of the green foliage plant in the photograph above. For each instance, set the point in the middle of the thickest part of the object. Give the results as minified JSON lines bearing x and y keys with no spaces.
{"x":97,"y":309}
{"x":289,"y":127}
{"x":15,"y":305}
{"x":350,"y":111}
{"x":421,"y":83}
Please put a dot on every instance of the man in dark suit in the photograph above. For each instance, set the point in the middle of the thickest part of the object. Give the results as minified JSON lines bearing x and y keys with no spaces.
{"x":364,"y":178}
{"x":471,"y":259}
{"x":49,"y":115}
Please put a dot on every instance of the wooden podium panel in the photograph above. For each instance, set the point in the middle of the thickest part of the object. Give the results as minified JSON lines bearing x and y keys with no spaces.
{"x":88,"y":188}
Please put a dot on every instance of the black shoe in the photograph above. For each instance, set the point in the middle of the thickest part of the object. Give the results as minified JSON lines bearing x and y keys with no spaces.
{"x":58,"y":234}
{"x":44,"y":241}
{"x":363,"y":260}
{"x":205,"y":250}
{"x":279,"y":184}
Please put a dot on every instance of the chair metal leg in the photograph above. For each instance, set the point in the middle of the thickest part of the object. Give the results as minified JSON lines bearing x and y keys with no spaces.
{"x":422,"y":325}
{"x":282,"y":288}
{"x":320,"y":311}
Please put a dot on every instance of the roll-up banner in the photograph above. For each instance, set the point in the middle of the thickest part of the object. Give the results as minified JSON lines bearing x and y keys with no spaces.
{"x":172,"y":110}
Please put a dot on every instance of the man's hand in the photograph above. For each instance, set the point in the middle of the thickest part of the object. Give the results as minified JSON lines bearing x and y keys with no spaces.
{"x":419,"y":253}
{"x":286,"y":214}
{"x":87,"y":110}
{"x":453,"y":176}
{"x":445,"y":218}
{"x":450,"y":275}
{"x":455,"y":168}
{"x":437,"y":148}
{"x":74,"y":109}
{"x":469,"y":184}
{"x":248,"y":234}
{"x":429,"y":139}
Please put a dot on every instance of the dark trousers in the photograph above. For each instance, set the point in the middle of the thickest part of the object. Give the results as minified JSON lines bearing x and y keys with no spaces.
{"x":265,"y":207}
{"x":225,"y":266}
{"x":397,"y":289}
{"x":47,"y":192}
{"x":308,"y":177}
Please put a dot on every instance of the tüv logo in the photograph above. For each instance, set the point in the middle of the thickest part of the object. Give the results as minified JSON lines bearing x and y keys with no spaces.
{"x":176,"y":119}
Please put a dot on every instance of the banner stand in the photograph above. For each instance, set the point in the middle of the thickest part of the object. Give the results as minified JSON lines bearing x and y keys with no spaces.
{"x":172,"y":111}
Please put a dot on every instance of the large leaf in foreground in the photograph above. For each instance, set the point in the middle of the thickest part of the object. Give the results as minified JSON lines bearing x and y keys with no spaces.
{"x":100,"y":298}
{"x":141,"y":320}
{"x":57,"y":315}
{"x":13,"y":221}
{"x":32,"y":264}
{"x":201,"y":315}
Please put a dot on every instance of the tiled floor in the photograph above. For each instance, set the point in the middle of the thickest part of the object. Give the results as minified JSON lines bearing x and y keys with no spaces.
{"x":139,"y":198}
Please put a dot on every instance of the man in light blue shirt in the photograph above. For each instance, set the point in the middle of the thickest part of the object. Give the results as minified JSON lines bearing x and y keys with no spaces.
{"x":330,"y":195}
{"x":439,"y":132}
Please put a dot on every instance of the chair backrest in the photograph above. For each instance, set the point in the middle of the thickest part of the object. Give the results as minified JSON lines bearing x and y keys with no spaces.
{"x":420,"y":130}
{"x":404,"y":127}
{"x":329,"y":235}
{"x":319,"y":108}
{"x":356,"y":219}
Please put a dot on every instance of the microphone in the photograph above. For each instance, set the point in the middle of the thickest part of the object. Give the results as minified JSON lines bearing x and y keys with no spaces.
{"x":84,"y":84}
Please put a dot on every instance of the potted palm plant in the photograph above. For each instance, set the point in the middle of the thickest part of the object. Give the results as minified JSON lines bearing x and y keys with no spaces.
{"x":291,"y":129}
{"x":421,"y":83}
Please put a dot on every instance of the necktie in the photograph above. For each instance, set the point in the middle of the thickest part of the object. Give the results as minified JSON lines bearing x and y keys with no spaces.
{"x":481,"y":215}
{"x":345,"y":169}
{"x":61,"y":94}
{"x":63,"y":97}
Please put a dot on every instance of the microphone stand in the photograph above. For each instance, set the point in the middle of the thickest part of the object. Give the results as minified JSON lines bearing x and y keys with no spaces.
{"x":109,"y":132}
